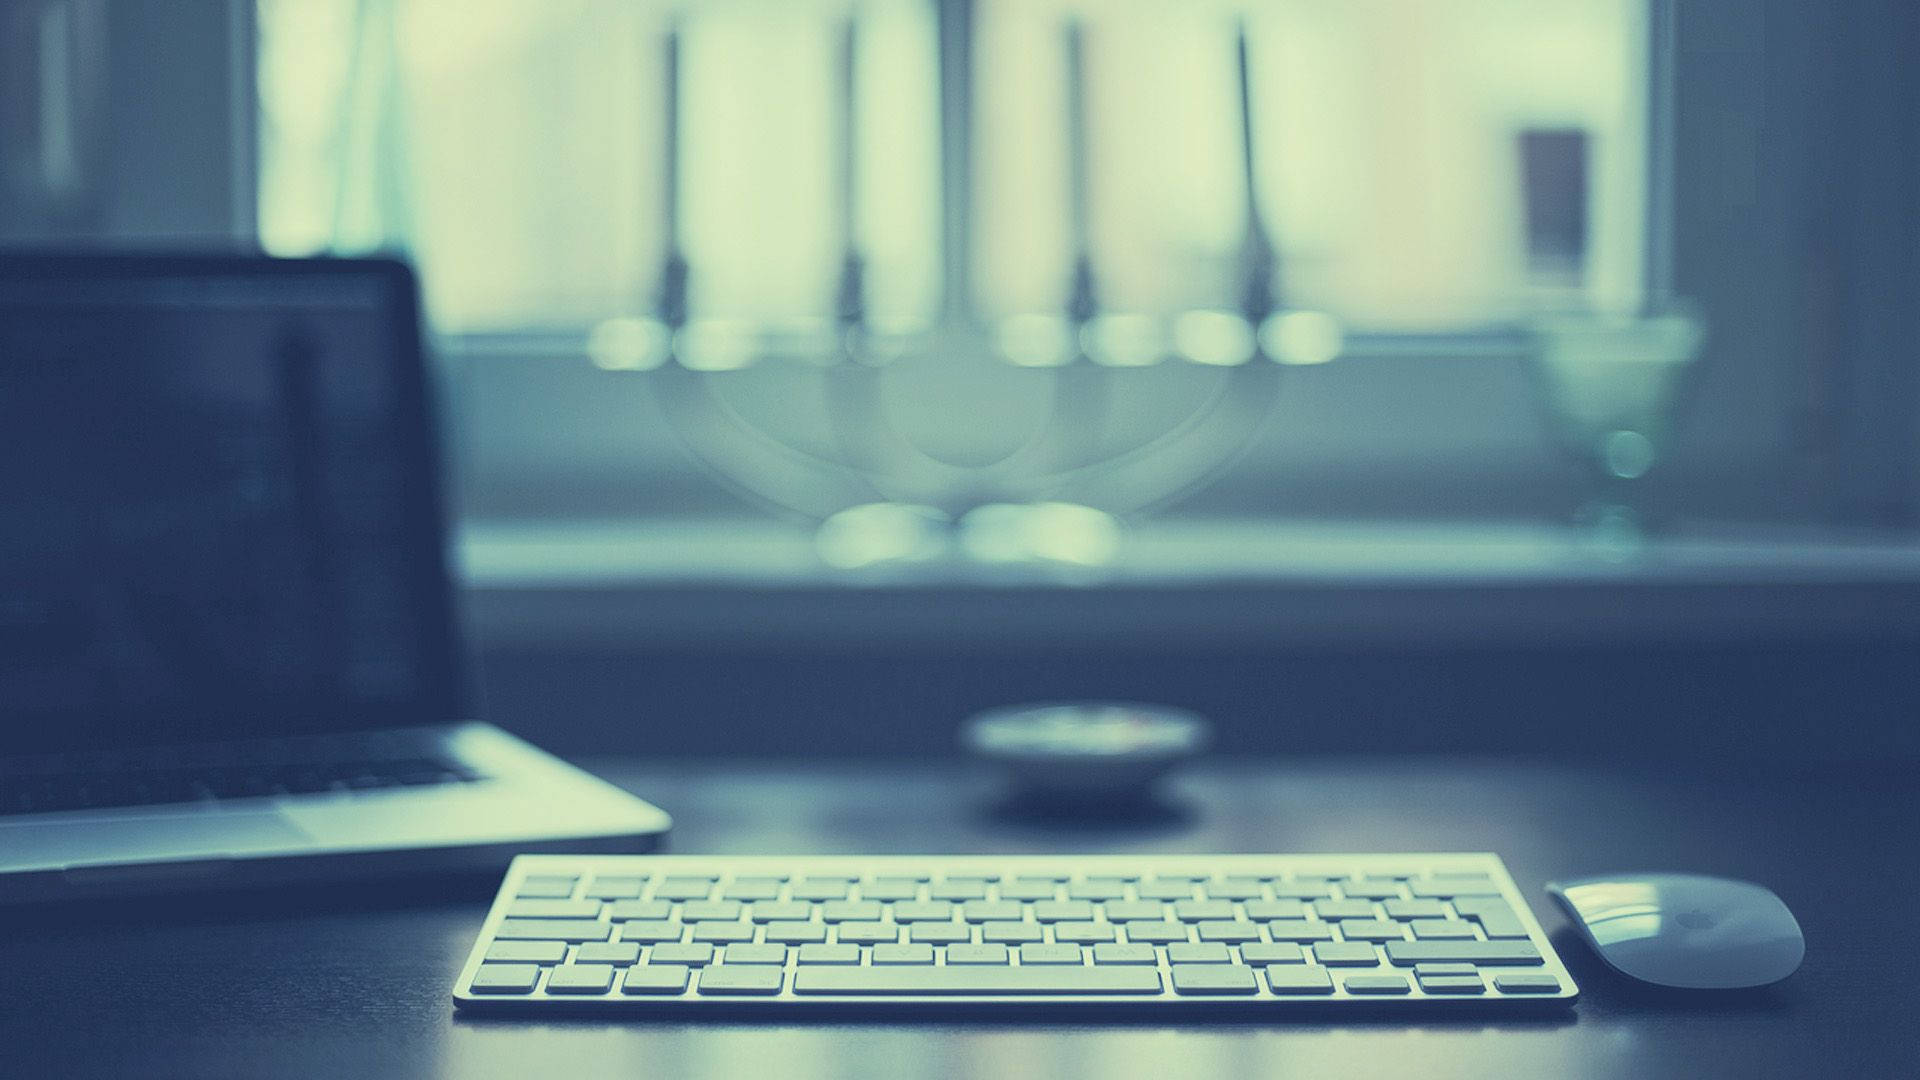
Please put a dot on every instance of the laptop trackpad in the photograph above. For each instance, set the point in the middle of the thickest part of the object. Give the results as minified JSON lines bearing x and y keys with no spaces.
{"x":48,"y":844}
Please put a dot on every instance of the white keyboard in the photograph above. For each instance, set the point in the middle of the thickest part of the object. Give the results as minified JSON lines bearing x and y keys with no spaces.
{"x":660,"y":935}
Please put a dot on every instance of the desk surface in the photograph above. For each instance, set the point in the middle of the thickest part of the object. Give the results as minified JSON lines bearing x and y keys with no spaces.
{"x":354,"y":983}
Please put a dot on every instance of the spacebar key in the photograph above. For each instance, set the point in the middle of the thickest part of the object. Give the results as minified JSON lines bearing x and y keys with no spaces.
{"x":1063,"y":979}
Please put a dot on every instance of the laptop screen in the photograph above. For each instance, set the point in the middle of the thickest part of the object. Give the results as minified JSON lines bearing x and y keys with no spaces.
{"x":221,"y":520}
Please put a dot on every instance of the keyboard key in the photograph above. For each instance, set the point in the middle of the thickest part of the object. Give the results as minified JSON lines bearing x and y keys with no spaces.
{"x":528,"y":952}
{"x":1526,"y":984}
{"x":767,"y":911}
{"x":650,"y":931}
{"x":1493,"y":914}
{"x":655,"y":979}
{"x":958,"y":890}
{"x":822,"y":888}
{"x":1299,"y":930}
{"x":1129,"y":910}
{"x":615,"y":887}
{"x":1050,"y":954}
{"x":553,"y":909}
{"x":1232,"y":889}
{"x":1228,"y":930}
{"x":1165,"y":889}
{"x":948,"y":933}
{"x":1264,"y":910}
{"x":754,"y":954}
{"x":1028,"y":889}
{"x":1440,"y":929}
{"x":1109,"y":953}
{"x":1011,"y":933}
{"x":1423,"y":970}
{"x":1372,"y":930}
{"x":908,"y":911}
{"x":749,"y":979}
{"x":1371,"y":889}
{"x":1061,"y":911}
{"x":1346,"y":954}
{"x":705,"y":910}
{"x":977,"y":954}
{"x":1343,"y":909}
{"x":1301,"y":889}
{"x":978,"y":979}
{"x":1279,"y":952}
{"x":580,"y":979}
{"x":607,"y":952}
{"x":1446,"y":888}
{"x":752,"y":889}
{"x":551,"y":886}
{"x":1213,"y":979}
{"x":1083,"y":933}
{"x":1207,"y":952}
{"x":692,"y":955}
{"x":992,"y":911}
{"x":1404,"y":953}
{"x":866,"y":932}
{"x":892,"y":889}
{"x":1299,"y":979}
{"x":1097,"y":889}
{"x":683,"y":888}
{"x":1160,"y":933}
{"x":1451,"y":984}
{"x":796,"y":933}
{"x":903,"y":954}
{"x":829,"y":954}
{"x":621,"y":910}
{"x":722,"y":931}
{"x":505,"y":978}
{"x":1375,"y":984}
{"x":553,"y":930}
{"x":1196,"y":910}
{"x":1415,"y":909}
{"x":851,"y":911}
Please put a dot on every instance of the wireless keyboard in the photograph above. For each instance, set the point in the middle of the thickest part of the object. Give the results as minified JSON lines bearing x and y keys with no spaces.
{"x":677,"y":935}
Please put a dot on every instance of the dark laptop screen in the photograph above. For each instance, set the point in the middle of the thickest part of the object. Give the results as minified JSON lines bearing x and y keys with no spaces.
{"x":218,"y":503}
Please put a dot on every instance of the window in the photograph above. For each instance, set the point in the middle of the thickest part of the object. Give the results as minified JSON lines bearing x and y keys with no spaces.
{"x":1432,"y":177}
{"x":1417,"y":165}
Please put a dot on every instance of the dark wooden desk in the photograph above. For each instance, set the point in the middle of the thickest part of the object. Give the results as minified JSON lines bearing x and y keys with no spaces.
{"x":354,"y":983}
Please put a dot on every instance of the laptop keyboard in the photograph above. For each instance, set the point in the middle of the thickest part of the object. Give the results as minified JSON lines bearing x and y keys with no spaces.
{"x":667,"y":934}
{"x":46,"y":791}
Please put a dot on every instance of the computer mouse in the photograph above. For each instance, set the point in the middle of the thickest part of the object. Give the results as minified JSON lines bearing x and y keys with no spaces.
{"x":1687,"y":931}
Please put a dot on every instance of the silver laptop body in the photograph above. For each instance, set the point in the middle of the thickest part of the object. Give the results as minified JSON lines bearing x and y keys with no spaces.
{"x":228,"y":644}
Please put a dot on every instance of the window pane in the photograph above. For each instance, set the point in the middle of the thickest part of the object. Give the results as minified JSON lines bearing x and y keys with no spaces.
{"x":1418,"y":164}
{"x":1391,"y":140}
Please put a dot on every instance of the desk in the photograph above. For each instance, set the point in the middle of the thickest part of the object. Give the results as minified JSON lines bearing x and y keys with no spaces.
{"x":354,"y":983}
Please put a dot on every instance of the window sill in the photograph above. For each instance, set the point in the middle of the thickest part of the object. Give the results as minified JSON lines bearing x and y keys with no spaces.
{"x":627,"y":585}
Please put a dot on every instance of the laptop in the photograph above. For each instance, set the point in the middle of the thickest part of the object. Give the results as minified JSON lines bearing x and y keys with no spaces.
{"x":229,"y":652}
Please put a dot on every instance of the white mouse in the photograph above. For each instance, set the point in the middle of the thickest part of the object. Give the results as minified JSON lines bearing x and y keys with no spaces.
{"x":1687,"y":931}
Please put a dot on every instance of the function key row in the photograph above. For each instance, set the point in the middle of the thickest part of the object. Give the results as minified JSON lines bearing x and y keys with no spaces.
{"x":953,"y":887}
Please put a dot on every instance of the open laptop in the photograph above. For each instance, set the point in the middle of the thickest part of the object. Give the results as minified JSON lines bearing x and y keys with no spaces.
{"x":228,"y":645}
